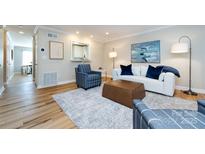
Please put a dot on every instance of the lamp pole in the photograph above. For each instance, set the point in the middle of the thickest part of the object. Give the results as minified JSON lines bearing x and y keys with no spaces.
{"x":113,"y":56}
{"x":189,"y":91}
{"x":113,"y":62}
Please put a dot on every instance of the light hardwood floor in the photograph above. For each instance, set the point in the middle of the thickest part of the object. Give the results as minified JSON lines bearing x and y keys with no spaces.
{"x":23,"y":106}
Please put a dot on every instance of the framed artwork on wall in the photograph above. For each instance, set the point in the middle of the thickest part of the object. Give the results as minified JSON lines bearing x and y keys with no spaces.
{"x":56,"y":50}
{"x":146,"y":52}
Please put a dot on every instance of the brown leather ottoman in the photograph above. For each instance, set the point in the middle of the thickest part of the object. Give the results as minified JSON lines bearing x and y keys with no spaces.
{"x":123,"y":92}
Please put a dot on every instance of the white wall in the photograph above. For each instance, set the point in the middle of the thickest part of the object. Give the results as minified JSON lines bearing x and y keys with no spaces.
{"x":10,"y":61}
{"x":64,"y":68}
{"x":167,"y":38}
{"x":1,"y":62}
{"x":18,"y":57}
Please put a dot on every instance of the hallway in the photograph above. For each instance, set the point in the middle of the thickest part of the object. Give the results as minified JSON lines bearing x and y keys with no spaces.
{"x":20,"y":79}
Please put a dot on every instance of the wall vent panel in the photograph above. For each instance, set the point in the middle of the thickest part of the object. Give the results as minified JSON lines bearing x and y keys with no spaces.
{"x":50,"y":78}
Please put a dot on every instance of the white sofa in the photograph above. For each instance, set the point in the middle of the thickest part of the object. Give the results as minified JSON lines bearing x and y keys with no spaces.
{"x":164,"y":85}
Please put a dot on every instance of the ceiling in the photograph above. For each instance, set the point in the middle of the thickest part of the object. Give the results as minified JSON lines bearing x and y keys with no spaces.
{"x":98,"y":32}
{"x":24,"y":40}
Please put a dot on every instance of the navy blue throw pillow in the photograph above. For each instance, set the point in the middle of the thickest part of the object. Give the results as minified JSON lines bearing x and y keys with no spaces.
{"x":153,"y":72}
{"x":170,"y":69}
{"x":126,"y":70}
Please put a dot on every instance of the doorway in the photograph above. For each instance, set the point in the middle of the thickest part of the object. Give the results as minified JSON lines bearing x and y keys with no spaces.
{"x":23,"y":60}
{"x":18,"y":55}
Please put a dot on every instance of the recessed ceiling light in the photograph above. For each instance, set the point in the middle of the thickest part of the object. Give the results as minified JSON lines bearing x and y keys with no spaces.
{"x":77,"y":32}
{"x":21,"y":32}
{"x":91,"y":36}
{"x":107,"y":33}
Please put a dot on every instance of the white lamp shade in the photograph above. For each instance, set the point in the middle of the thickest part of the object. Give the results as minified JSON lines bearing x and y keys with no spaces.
{"x":180,"y":48}
{"x":113,"y":54}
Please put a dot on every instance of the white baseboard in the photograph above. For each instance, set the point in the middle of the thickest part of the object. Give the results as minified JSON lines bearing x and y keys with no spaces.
{"x":202,"y":91}
{"x":59,"y":83}
{"x":2,"y":90}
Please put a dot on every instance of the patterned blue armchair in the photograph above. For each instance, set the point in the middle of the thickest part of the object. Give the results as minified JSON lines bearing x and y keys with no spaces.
{"x":146,"y":118}
{"x":86,"y":78}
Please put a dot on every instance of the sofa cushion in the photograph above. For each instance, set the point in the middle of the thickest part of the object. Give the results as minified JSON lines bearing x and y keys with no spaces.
{"x":126,"y":70}
{"x":143,"y":70}
{"x":128,"y":77}
{"x":150,"y":84}
{"x":153,"y":72}
{"x":136,"y":70}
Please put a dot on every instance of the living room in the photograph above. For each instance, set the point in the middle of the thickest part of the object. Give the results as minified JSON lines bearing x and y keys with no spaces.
{"x":100,"y":48}
{"x":102,"y":76}
{"x":106,"y":49}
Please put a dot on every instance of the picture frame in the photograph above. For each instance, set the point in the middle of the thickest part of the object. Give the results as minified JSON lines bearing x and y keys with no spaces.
{"x":56,"y":50}
{"x":146,"y":52}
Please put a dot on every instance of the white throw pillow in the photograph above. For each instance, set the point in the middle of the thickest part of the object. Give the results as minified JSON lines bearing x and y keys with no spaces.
{"x":136,"y":70}
{"x":143,"y":70}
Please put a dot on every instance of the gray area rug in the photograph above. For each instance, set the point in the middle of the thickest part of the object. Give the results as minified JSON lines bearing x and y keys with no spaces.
{"x":89,"y":110}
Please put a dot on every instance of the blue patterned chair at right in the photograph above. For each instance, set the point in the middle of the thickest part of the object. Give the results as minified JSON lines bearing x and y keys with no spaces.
{"x":86,"y":78}
{"x":146,"y":118}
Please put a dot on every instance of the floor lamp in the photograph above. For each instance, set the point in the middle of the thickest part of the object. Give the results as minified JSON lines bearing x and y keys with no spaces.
{"x":181,"y":47}
{"x":113,"y":55}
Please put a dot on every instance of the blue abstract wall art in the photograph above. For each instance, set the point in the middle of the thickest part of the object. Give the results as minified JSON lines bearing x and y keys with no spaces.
{"x":146,"y":52}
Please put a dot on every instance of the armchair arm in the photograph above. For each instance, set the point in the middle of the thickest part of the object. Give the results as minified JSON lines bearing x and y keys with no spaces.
{"x":96,"y":72}
{"x":83,"y":75}
{"x":201,"y":106}
{"x":169,"y":83}
{"x":81,"y":78}
{"x":144,"y":118}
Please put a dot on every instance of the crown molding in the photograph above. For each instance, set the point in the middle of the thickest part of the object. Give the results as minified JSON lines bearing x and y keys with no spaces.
{"x":52,"y":29}
{"x":140,"y":33}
